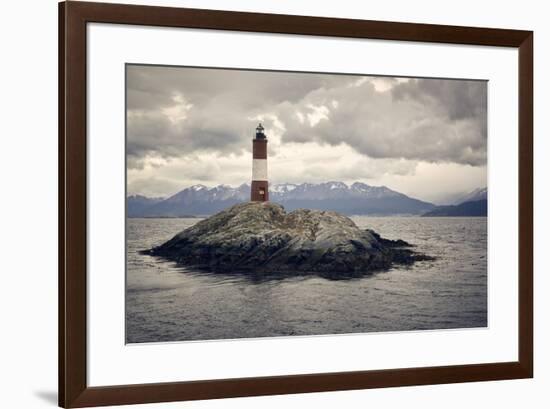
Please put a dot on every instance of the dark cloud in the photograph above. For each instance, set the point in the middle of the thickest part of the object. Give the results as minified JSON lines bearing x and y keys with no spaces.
{"x":459,"y":99}
{"x":217,"y":108}
{"x":177,"y":111}
{"x":429,"y":120}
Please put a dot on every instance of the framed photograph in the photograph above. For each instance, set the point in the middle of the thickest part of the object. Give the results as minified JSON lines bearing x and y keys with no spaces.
{"x":255,"y":204}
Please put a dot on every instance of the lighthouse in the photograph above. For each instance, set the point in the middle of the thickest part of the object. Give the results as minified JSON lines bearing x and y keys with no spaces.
{"x":259,"y":190}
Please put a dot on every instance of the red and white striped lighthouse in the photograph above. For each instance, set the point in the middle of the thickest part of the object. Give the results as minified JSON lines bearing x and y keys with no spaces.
{"x":259,"y":191}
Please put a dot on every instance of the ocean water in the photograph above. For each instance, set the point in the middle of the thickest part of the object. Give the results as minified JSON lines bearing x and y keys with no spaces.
{"x":167,"y":302}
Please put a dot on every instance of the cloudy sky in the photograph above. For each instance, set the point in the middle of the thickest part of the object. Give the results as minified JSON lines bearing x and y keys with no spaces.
{"x":424,"y":137}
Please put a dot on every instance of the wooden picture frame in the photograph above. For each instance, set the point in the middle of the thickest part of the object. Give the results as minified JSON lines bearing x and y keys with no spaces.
{"x":73,"y":388}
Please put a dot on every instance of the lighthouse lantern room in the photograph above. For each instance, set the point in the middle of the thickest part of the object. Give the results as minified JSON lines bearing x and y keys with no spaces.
{"x":259,"y":191}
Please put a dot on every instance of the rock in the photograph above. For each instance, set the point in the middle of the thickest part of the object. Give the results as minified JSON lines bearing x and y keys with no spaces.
{"x":263,"y":238}
{"x":387,"y":242}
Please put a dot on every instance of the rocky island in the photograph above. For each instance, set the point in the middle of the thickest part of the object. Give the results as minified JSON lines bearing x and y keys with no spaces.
{"x":262,"y":237}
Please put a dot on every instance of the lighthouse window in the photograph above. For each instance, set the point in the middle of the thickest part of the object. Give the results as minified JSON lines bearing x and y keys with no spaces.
{"x":262,"y":191}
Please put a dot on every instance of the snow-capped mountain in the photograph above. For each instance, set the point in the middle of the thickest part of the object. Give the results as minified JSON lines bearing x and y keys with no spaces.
{"x":357,"y":198}
{"x":328,"y":190}
{"x":282,"y":188}
{"x":472,"y":204}
{"x":473,"y":196}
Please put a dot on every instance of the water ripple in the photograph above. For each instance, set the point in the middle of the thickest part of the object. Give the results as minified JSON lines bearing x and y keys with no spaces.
{"x":166,"y":302}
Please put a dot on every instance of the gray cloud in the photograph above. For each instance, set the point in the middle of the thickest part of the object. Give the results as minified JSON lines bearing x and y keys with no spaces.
{"x":174,"y":111}
{"x":222,"y":106}
{"x":458,"y":99}
{"x":429,"y":120}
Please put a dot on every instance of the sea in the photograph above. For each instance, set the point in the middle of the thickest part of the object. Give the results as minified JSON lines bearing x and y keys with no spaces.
{"x":166,"y":302}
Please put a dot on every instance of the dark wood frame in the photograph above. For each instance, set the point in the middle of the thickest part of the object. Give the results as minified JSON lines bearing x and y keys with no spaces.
{"x":73,"y":388}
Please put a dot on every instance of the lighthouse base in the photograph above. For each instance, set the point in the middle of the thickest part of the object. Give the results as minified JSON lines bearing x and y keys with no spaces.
{"x":259,"y":191}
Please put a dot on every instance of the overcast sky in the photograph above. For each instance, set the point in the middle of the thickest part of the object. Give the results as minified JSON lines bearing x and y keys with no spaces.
{"x":426,"y":138}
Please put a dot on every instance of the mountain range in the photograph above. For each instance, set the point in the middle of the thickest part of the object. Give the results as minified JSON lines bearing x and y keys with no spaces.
{"x":355,"y":199}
